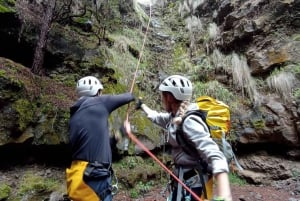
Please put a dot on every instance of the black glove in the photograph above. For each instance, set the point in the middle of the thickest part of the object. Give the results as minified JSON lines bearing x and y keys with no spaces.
{"x":139,"y":103}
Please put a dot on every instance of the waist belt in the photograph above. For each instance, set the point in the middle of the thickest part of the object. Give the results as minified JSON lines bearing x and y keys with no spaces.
{"x":97,"y":169}
{"x":96,"y":164}
{"x":189,"y":174}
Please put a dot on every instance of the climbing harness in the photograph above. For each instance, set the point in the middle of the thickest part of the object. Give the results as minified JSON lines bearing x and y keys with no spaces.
{"x":114,"y":187}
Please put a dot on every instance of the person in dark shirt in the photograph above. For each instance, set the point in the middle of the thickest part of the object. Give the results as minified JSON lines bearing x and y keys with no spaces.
{"x":90,"y":174}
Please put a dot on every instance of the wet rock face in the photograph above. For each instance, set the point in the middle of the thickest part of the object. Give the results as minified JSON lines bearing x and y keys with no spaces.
{"x":9,"y":93}
{"x":264,"y":29}
{"x":273,"y":124}
{"x":266,"y":32}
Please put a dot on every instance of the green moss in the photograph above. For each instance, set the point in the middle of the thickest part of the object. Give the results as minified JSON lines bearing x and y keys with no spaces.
{"x":135,"y":171}
{"x":258,"y":123}
{"x":113,"y":89}
{"x":235,"y":179}
{"x":146,"y":127}
{"x":3,"y":9}
{"x":2,"y":73}
{"x":34,"y":184}
{"x":52,"y":122}
{"x":131,"y":36}
{"x":296,"y":69}
{"x":26,"y":112}
{"x":82,"y":20}
{"x":139,"y":174}
{"x":124,"y":64}
{"x":296,"y":93}
{"x":181,"y":58}
{"x":66,"y":80}
{"x":5,"y":191}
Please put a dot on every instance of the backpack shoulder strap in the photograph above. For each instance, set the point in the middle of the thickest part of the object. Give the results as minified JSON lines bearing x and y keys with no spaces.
{"x":198,"y":113}
{"x":191,"y":150}
{"x":180,"y":137}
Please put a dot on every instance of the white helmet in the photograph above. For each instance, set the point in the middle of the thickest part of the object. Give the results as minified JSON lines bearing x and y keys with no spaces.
{"x":88,"y":86}
{"x":179,"y":86}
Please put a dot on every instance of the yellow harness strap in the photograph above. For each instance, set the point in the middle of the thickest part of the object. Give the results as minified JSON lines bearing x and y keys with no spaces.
{"x":209,"y":188}
{"x":77,"y":189}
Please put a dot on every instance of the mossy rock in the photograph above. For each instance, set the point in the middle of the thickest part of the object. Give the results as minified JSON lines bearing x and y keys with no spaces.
{"x":34,"y":107}
{"x":5,"y":191}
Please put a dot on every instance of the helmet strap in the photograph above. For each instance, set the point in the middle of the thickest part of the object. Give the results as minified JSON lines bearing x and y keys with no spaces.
{"x":99,"y":93}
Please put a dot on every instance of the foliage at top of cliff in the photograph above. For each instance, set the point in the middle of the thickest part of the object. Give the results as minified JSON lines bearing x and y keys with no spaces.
{"x":7,"y":6}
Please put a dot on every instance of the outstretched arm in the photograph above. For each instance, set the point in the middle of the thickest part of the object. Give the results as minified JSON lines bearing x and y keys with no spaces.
{"x":146,"y":109}
{"x":159,"y":118}
{"x":113,"y":102}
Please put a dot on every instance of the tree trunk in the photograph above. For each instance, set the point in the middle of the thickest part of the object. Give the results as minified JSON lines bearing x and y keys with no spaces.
{"x":38,"y":60}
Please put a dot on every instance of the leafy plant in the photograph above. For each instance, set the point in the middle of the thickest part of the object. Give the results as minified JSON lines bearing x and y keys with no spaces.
{"x":235,"y":179}
{"x":5,"y":190}
{"x":134,"y":193}
{"x":144,"y":187}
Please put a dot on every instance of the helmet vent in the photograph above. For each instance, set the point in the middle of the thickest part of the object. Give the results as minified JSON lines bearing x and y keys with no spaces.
{"x":182,"y":83}
{"x":174,"y":83}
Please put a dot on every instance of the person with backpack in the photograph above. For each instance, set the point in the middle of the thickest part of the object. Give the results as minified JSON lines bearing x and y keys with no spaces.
{"x":89,"y":178}
{"x":197,"y":169}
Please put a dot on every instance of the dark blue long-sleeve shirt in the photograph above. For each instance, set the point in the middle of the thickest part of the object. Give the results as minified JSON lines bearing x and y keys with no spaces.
{"x":89,"y":129}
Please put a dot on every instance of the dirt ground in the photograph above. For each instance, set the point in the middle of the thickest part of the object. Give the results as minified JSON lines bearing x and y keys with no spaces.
{"x":287,"y":190}
{"x":239,"y":193}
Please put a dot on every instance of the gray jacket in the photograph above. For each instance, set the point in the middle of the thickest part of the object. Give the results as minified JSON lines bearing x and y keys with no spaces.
{"x":196,"y":131}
